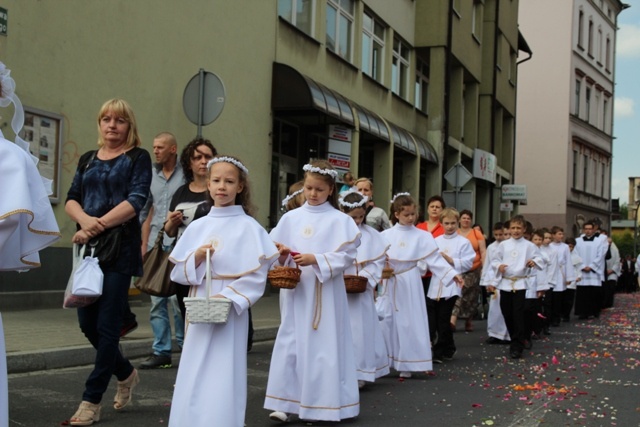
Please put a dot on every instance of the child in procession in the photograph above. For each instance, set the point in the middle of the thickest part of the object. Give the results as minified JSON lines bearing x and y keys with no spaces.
{"x":515,"y":259}
{"x":412,"y":252}
{"x":372,"y":357}
{"x":441,"y":296}
{"x":315,"y":333}
{"x":211,"y":385}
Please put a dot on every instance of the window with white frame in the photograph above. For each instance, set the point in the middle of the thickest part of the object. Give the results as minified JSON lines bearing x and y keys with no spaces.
{"x":608,"y":54}
{"x":576,"y":107}
{"x":605,"y":112}
{"x":476,"y":20}
{"x":599,"y":46}
{"x":300,"y":13}
{"x":603,"y":178}
{"x":590,"y":39}
{"x":400,"y":68}
{"x":596,"y":109}
{"x":372,"y":46}
{"x":574,"y":180}
{"x":587,"y":101}
{"x":422,"y":86}
{"x":580,"y":27}
{"x":340,"y":27}
{"x":585,"y":171}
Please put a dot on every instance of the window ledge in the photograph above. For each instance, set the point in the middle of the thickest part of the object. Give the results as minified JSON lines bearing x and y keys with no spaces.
{"x":375,"y":82}
{"x":341,"y":59}
{"x":477,"y":39}
{"x":399,"y":98}
{"x":298,"y":30}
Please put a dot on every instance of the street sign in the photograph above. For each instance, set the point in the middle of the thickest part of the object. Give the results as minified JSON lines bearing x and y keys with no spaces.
{"x":460,"y":200}
{"x":506,"y":207}
{"x":203,"y":98}
{"x":514,"y":192}
{"x":458,"y":176}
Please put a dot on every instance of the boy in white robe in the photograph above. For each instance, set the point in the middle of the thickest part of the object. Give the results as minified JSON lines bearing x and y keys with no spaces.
{"x":570,"y":293}
{"x":552,"y":273}
{"x":211,"y":386}
{"x":313,"y":368}
{"x":515,"y":259}
{"x":441,"y":296}
{"x":496,"y":328}
{"x":412,"y":252}
{"x":589,"y":289}
{"x":565,"y":270}
{"x":536,"y":289}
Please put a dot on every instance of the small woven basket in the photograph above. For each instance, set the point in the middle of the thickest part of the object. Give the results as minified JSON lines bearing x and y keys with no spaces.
{"x":355,"y":284}
{"x":207,"y":309}
{"x":387,"y":272}
{"x":284,"y":277}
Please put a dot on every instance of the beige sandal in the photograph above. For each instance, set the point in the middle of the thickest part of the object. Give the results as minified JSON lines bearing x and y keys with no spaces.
{"x":125,"y":390}
{"x":86,"y":415}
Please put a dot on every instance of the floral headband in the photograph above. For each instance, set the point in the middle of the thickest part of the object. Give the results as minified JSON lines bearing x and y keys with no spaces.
{"x":398,"y":195}
{"x":291,"y":196}
{"x":226,"y":159}
{"x":308,"y":168}
{"x":358,"y":204}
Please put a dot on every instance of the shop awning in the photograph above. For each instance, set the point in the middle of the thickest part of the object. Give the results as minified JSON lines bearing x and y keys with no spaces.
{"x":293,"y":91}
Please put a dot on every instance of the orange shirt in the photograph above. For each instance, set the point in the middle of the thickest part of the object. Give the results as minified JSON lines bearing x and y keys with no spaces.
{"x":474,"y":237}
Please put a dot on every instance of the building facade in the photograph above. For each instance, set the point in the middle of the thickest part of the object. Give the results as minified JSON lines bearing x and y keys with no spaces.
{"x":565,"y":112}
{"x":400,"y":92}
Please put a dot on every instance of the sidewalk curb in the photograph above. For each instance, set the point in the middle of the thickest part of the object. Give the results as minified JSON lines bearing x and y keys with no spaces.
{"x":67,"y":357}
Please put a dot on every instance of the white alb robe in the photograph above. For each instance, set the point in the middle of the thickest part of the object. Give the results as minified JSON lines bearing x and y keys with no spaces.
{"x":412,"y":252}
{"x":27,"y":223}
{"x":565,"y":268}
{"x":592,"y":253}
{"x":538,"y":280}
{"x":372,"y":357}
{"x":313,"y":369}
{"x":496,"y":327}
{"x":460,"y":250}
{"x":211,"y":386}
{"x":515,"y":253}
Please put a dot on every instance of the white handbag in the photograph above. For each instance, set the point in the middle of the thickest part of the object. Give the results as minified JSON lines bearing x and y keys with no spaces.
{"x":206,"y":309}
{"x":88,"y":277}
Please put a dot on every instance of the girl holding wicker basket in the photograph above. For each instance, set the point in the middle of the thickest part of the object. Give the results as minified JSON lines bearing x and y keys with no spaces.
{"x":313,"y":370}
{"x":211,"y":386}
{"x":372,"y":357}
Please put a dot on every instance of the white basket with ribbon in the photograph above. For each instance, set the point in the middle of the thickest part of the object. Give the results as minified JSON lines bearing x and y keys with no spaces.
{"x":206,"y":309}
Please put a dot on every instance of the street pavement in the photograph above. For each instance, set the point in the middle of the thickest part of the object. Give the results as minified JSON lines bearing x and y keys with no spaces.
{"x":584,"y":374}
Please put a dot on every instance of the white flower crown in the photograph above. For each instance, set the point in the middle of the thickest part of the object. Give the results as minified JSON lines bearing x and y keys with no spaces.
{"x":235,"y":162}
{"x":359,"y":204}
{"x":308,"y":168}
{"x":291,"y":196}
{"x":398,"y":195}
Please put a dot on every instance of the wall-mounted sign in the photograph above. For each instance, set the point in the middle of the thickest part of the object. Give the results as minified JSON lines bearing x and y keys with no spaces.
{"x":484,"y":165}
{"x":4,"y":20}
{"x":514,"y":192}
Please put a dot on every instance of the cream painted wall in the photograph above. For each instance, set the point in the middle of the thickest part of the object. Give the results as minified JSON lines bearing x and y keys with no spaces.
{"x":542,"y":127}
{"x":70,"y":56}
{"x":398,"y":14}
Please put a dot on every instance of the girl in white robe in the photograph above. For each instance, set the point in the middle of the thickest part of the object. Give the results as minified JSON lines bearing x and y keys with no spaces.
{"x":372,"y":357}
{"x":211,"y":386}
{"x":412,"y":252}
{"x":313,"y":369}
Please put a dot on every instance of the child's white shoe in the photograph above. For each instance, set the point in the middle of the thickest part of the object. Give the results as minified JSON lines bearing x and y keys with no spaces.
{"x":283,"y":417}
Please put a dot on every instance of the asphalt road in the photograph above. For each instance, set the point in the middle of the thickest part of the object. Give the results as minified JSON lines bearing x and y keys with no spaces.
{"x":585,"y":374}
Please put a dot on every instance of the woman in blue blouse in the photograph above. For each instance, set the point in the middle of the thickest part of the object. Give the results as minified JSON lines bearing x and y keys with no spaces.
{"x":110,"y":187}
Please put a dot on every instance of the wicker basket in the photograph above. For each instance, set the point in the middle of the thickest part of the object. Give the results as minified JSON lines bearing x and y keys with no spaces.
{"x":284,"y":277}
{"x":355,"y":284}
{"x":206,"y":309}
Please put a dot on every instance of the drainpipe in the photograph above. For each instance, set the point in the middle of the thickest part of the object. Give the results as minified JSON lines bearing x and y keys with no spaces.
{"x":494,"y":103}
{"x":447,"y":97}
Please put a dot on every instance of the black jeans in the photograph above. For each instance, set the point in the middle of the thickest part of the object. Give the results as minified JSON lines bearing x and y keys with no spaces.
{"x":512,"y":306}
{"x":100,"y":322}
{"x":439,"y":314}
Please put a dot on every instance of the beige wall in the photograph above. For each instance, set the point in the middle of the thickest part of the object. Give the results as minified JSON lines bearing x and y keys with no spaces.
{"x":68,"y":57}
{"x":542,"y":126}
